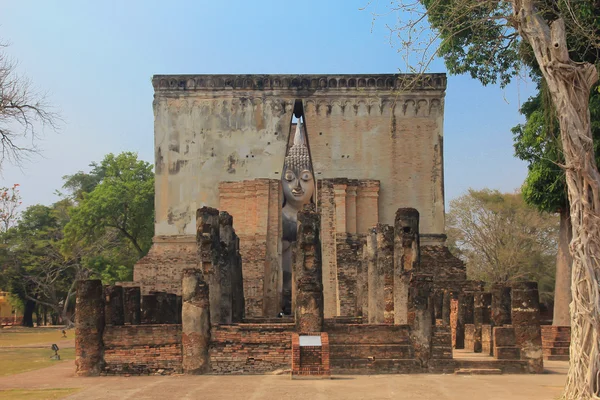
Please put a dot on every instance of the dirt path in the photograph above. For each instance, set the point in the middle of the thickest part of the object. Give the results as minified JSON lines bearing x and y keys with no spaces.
{"x":419,"y":386}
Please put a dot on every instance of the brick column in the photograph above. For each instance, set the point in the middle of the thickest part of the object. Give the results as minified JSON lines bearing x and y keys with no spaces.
{"x":132,"y":299}
{"x":447,"y":298}
{"x":351,"y":208}
{"x":195,"y":319}
{"x":405,"y":259}
{"x":374,"y":283}
{"x":149,"y":309}
{"x":501,"y":307}
{"x":89,"y":327}
{"x":367,"y":205}
{"x":464,"y":316}
{"x":385,"y":274}
{"x":526,"y":322}
{"x":421,"y":316}
{"x":339,"y":191}
{"x":308,"y":272}
{"x":478,"y":319}
{"x":114,"y":312}
{"x":208,"y":238}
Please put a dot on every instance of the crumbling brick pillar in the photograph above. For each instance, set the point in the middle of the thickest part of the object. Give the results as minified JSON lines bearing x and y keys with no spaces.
{"x":348,"y":255}
{"x":501,"y":305}
{"x":89,"y":327}
{"x":237,"y":285}
{"x":208,"y":238}
{"x":362,"y":282}
{"x":308,"y":272}
{"x":227,"y":262}
{"x":373,"y":281}
{"x":438,"y":303}
{"x":464,"y":317}
{"x":406,"y":256}
{"x":195,"y":319}
{"x":421,"y":316}
{"x":525,"y":315}
{"x":132,"y":300}
{"x":446,"y":299}
{"x":381,"y":277}
{"x":113,"y":310}
{"x":478,"y":317}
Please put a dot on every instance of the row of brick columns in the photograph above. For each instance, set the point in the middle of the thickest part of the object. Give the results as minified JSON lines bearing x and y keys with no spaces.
{"x":516,"y":306}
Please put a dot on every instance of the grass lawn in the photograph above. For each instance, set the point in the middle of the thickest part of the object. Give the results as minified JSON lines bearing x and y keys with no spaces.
{"x":36,"y":394}
{"x":14,"y":361}
{"x":28,"y":336}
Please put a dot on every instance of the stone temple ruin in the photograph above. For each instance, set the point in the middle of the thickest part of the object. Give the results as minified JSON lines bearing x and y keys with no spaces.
{"x":300,"y":226}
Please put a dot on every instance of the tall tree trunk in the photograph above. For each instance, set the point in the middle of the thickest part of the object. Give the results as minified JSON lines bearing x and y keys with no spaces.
{"x":562,"y":288}
{"x":28,"y":313}
{"x":570,"y":84}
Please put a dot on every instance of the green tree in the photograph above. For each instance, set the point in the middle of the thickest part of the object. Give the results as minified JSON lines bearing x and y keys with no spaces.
{"x":123,"y":201}
{"x":502,"y":239}
{"x":491,"y":40}
{"x":537,"y":142}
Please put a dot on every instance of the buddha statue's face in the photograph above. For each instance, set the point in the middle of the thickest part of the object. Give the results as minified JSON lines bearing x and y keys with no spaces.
{"x":298,"y":187}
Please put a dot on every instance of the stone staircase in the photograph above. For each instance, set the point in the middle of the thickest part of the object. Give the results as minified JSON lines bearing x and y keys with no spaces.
{"x":555,"y":342}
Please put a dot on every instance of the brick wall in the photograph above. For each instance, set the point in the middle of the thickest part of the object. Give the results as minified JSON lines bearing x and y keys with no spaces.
{"x":251,"y":348}
{"x":449,"y":272}
{"x":370,"y":348}
{"x":142,"y":349}
{"x":162,"y":268}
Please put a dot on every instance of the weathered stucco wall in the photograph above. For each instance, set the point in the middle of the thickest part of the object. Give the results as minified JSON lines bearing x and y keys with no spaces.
{"x":214,"y":128}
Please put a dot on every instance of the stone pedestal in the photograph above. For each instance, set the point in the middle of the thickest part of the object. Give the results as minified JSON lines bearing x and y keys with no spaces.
{"x":526,"y":323}
{"x":308,"y":272}
{"x":89,"y":327}
{"x":195,"y":320}
{"x":132,"y":300}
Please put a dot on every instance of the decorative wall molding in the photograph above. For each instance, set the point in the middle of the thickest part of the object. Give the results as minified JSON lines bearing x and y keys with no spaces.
{"x":408,"y":105}
{"x":300,"y":83}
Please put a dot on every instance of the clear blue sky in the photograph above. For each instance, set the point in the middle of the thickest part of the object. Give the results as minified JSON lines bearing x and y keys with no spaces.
{"x":96,"y":60}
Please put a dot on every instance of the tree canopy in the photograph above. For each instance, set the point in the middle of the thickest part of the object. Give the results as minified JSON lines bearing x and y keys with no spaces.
{"x":502,"y":239}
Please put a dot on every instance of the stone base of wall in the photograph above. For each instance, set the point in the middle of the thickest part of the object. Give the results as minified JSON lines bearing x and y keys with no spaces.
{"x":251,"y":348}
{"x":142,"y":349}
{"x":161,"y":270}
{"x":556,"y":341}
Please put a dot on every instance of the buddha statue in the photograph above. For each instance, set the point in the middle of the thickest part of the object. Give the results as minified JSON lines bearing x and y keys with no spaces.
{"x":298,"y":188}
